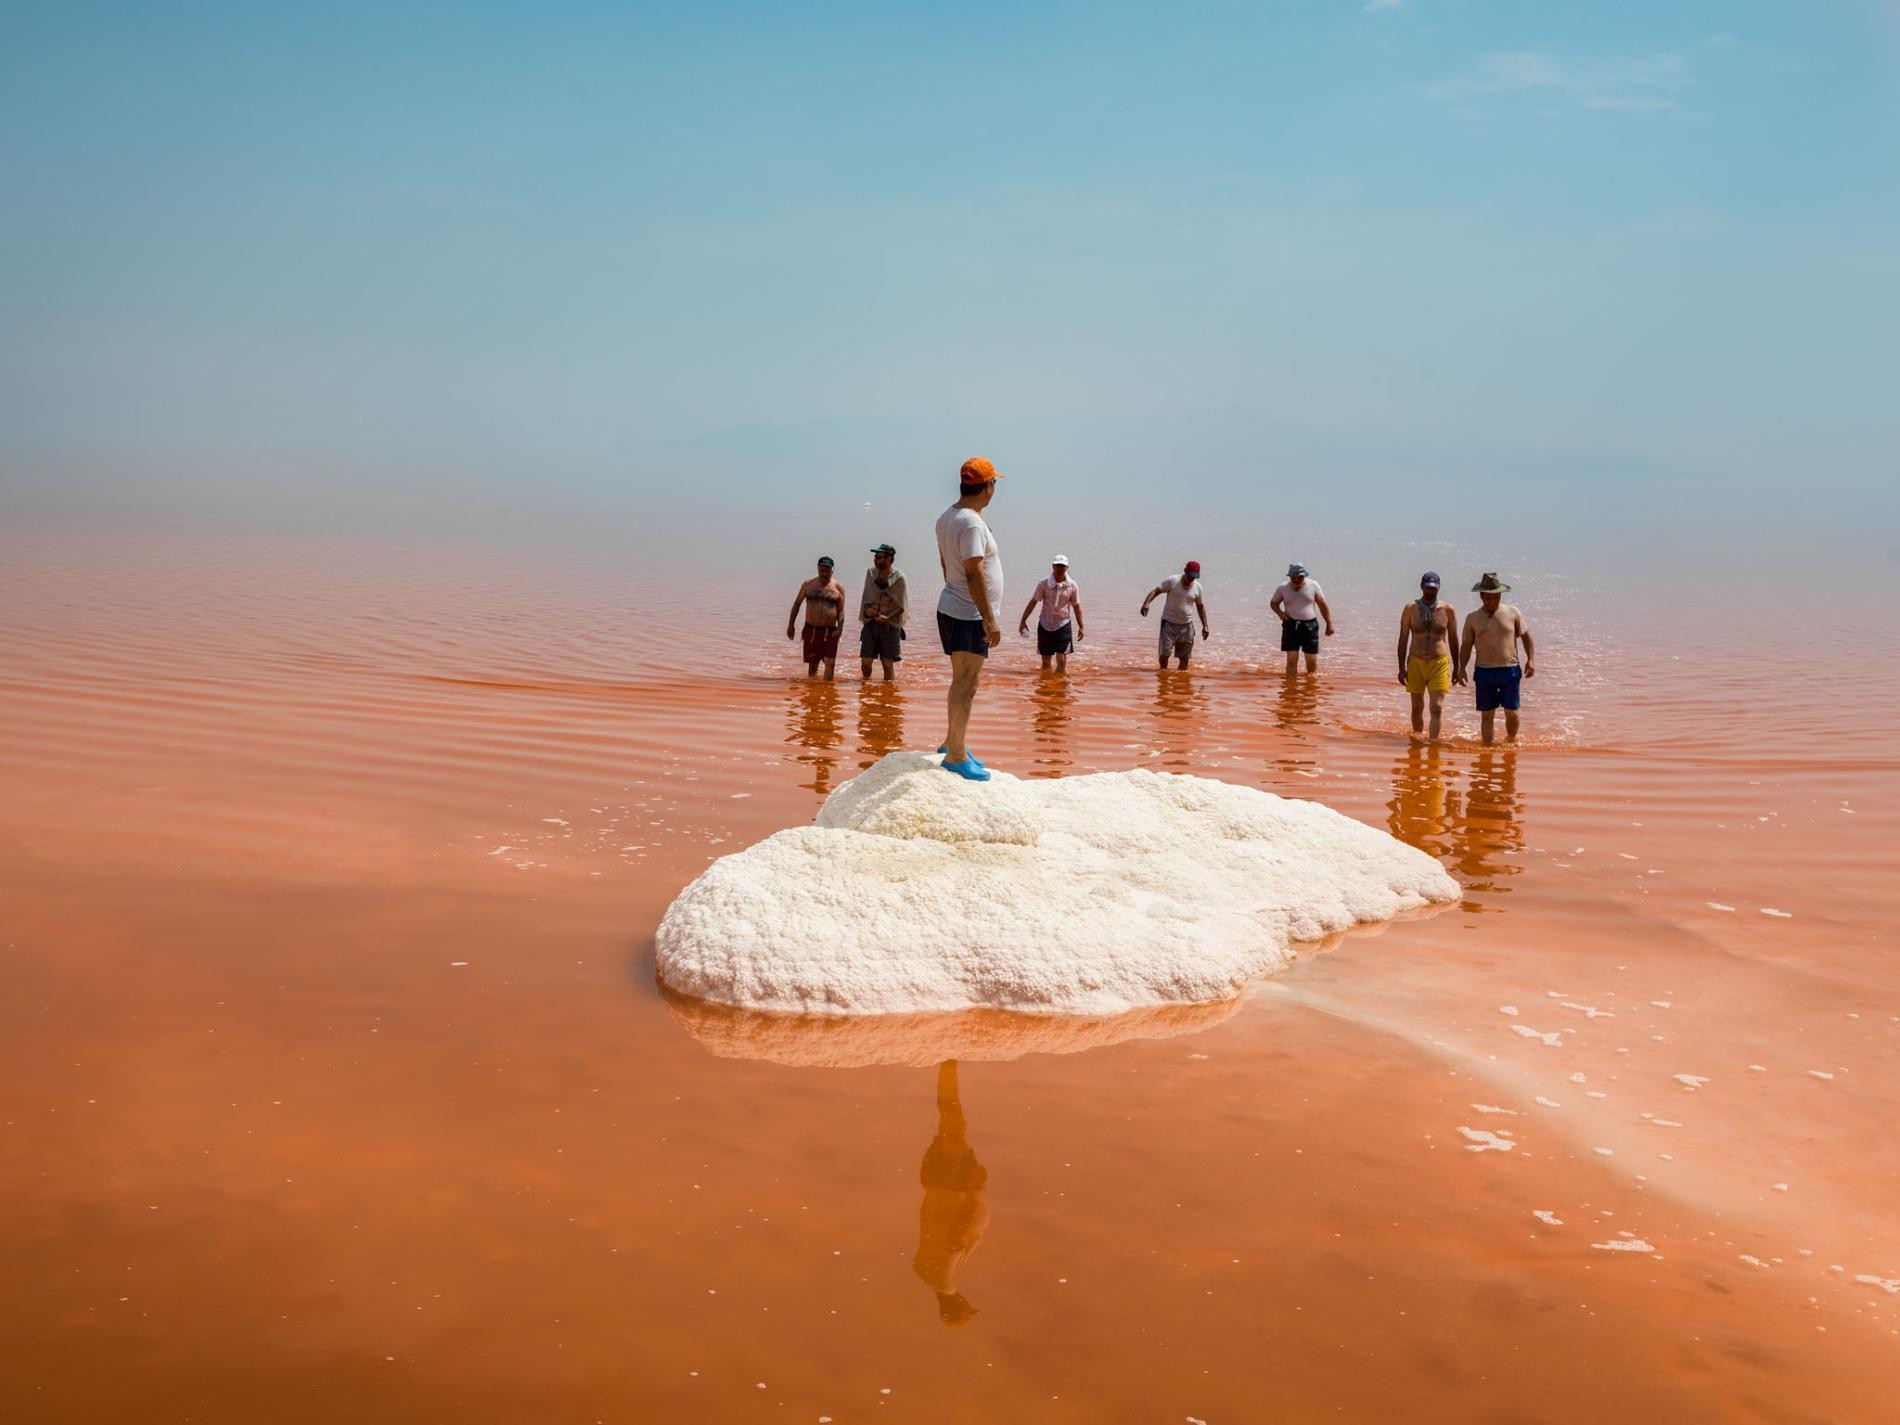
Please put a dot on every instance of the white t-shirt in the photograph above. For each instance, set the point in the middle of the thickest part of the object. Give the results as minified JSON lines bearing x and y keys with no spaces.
{"x":962,"y":534}
{"x":1057,"y":600}
{"x":1179,"y":607}
{"x":1299,"y":603}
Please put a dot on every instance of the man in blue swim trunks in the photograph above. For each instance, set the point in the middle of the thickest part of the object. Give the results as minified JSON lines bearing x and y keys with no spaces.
{"x":1494,"y":632}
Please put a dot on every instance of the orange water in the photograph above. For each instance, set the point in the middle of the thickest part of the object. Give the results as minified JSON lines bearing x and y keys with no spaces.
{"x":336,"y":1086}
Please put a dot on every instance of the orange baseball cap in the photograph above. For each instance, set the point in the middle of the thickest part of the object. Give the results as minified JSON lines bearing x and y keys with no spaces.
{"x":976,"y":470}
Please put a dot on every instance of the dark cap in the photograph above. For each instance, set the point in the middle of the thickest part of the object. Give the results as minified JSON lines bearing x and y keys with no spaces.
{"x":825,"y":561}
{"x":882,"y":549}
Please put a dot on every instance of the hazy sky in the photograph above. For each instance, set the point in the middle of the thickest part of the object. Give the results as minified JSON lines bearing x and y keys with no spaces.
{"x":619,"y":253}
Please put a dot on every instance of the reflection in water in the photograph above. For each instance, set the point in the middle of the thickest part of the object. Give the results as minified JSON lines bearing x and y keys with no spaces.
{"x":880,"y":721}
{"x":1050,"y":720}
{"x":1299,"y":713}
{"x":1180,"y":717}
{"x":1424,"y":804}
{"x":812,"y":723}
{"x":1492,"y":829}
{"x":954,"y":1214}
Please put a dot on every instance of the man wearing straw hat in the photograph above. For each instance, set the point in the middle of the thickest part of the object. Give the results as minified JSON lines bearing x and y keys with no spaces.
{"x":1494,"y":633}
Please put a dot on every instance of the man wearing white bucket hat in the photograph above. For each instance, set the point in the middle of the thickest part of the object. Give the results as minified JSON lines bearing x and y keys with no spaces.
{"x":1059,"y":625}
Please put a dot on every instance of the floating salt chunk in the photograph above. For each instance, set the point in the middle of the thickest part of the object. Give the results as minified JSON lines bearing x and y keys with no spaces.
{"x":1547,"y":1103}
{"x":1661,"y":1003}
{"x":1758,"y":1068}
{"x":1778,"y":914}
{"x":1547,"y":1217}
{"x":1717,"y":905}
{"x":1890,"y":1285}
{"x":1604,"y":1152}
{"x":1507,"y":1009}
{"x":1780,"y":1187}
{"x":1578,"y":1078}
{"x":1820,"y":1073}
{"x":1494,"y":1108}
{"x":1754,"y":1261}
{"x":1483,"y":1141}
{"x":1691,"y":1081}
{"x":1553,"y":1039}
{"x":1630,"y":1244}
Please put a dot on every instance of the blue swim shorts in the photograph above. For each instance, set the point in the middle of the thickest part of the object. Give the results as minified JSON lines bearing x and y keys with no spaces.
{"x":1497,"y":687}
{"x":962,"y":635}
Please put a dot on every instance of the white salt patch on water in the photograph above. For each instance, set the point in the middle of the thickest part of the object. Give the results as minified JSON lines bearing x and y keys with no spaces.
{"x":1510,"y":1009}
{"x":919,"y":891}
{"x":1717,"y":905}
{"x":1482,"y":1141}
{"x":1661,"y":1003}
{"x":1624,"y":1244}
{"x":1820,"y":1073}
{"x":1758,"y":1068}
{"x":1547,"y":1103}
{"x":1780,"y":1187}
{"x":1754,"y":1261}
{"x":1553,"y":1039}
{"x":1778,"y":914}
{"x":1890,"y":1285}
{"x":1548,"y":1218}
{"x":1604,"y":1152}
{"x":1691,"y":1081}
{"x":1494,"y":1108}
{"x":1578,"y":1078}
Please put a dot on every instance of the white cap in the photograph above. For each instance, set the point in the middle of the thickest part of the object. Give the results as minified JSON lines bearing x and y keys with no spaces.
{"x":1061,"y":559}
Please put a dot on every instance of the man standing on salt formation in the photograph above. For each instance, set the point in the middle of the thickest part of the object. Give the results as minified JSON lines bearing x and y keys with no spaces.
{"x":954,"y":1214}
{"x":883,"y":609}
{"x":1494,"y":633}
{"x":1183,"y":593}
{"x":823,"y":598}
{"x":1428,"y":633}
{"x":1056,"y":631}
{"x":969,"y":609}
{"x":1300,"y":605}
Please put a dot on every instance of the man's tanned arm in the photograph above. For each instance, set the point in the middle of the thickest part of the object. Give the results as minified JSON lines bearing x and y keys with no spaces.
{"x":1470,"y":642}
{"x":980,"y":596}
{"x":1324,"y":613}
{"x":1451,"y":643}
{"x":1022,"y":624}
{"x":1405,"y":638}
{"x":791,"y":622}
{"x":1530,"y":649}
{"x":1153,"y":594}
{"x":1201,"y":609}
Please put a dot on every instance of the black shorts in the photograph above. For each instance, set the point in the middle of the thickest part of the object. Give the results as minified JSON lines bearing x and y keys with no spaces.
{"x":1300,"y":635}
{"x":962,"y":635}
{"x":1055,"y":640}
{"x":881,"y":640}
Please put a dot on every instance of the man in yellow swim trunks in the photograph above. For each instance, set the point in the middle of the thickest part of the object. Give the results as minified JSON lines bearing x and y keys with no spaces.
{"x":1428,"y":632}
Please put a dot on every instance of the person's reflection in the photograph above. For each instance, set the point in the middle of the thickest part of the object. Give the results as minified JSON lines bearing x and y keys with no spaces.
{"x":1297,"y":713}
{"x":1050,"y":720}
{"x":1424,"y":805}
{"x":1178,"y":716}
{"x":880,"y":721}
{"x":954,"y":1214}
{"x":1491,"y":832}
{"x":813,"y":725}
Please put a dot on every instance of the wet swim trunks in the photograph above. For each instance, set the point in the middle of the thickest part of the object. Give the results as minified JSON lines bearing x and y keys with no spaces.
{"x":1177,"y":639}
{"x":1498,"y":687}
{"x":1055,"y":640}
{"x":1300,"y":635}
{"x":962,"y":635}
{"x":821,"y":644}
{"x":1428,"y":675}
{"x":881,"y":640}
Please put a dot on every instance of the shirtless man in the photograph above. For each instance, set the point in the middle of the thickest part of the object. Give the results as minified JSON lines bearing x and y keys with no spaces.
{"x":823,"y":598}
{"x":1428,"y":635}
{"x":1494,"y":632}
{"x":1182,"y":594}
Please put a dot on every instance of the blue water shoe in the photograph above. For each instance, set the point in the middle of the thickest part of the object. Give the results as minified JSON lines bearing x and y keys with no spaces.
{"x":969,"y":769}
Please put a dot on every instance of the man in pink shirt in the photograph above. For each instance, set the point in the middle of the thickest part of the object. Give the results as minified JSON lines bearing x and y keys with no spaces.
{"x":1059,"y":625}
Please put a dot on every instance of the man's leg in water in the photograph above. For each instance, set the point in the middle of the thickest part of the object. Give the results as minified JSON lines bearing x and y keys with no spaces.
{"x":811,"y":669}
{"x":1292,"y":661}
{"x":1438,"y":711}
{"x":1312,"y":663}
{"x":1510,"y":725}
{"x":1418,"y":713}
{"x":1047,"y":658}
{"x":1486,"y":723}
{"x":831,"y":666}
{"x":890,"y":670}
{"x":1062,"y":662}
{"x":965,"y":669}
{"x":864,"y":667}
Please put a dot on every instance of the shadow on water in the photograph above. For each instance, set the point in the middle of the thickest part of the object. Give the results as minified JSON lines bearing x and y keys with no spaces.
{"x":815,"y":727}
{"x":1299,"y":715}
{"x":954,"y":1213}
{"x":1424,"y":804}
{"x":1180,"y":709}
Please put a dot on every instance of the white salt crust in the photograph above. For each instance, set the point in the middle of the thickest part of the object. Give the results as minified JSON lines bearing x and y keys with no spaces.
{"x":919,"y":892}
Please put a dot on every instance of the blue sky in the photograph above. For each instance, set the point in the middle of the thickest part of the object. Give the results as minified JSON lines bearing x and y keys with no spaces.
{"x":614,"y":254}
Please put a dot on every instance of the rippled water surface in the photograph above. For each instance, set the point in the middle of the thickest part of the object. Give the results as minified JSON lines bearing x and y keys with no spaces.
{"x":336,"y":1084}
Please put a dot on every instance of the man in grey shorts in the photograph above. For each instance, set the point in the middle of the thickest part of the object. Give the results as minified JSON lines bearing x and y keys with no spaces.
{"x":882,"y":609}
{"x":1183,"y":594}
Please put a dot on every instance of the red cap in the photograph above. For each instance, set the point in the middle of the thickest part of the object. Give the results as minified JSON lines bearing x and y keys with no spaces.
{"x":1193,"y":567}
{"x":977,"y":470}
